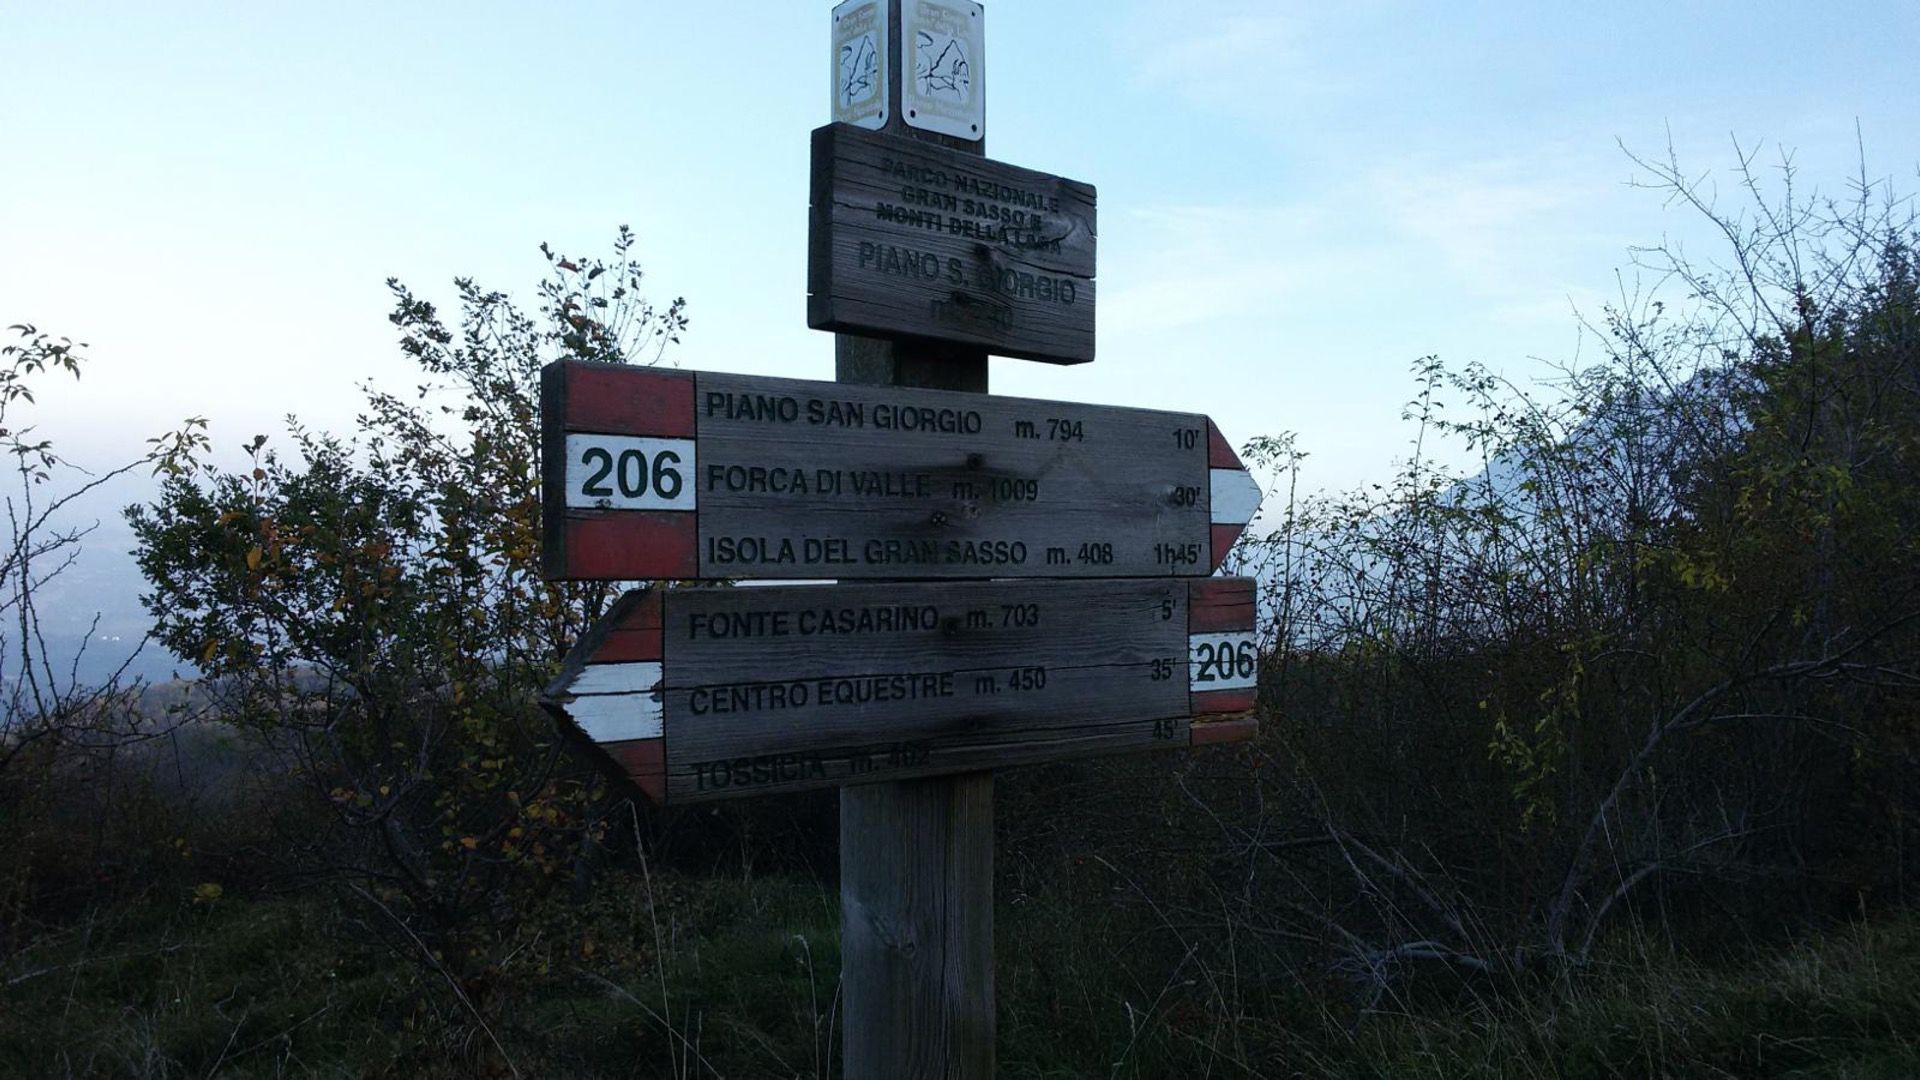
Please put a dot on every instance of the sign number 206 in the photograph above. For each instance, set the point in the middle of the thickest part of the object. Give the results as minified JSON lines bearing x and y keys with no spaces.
{"x":619,"y":472}
{"x":1228,"y":661}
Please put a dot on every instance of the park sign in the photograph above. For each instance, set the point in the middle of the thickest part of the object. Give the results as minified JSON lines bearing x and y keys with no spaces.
{"x":911,"y":239}
{"x":651,"y":473}
{"x":860,"y":66}
{"x":711,"y":693}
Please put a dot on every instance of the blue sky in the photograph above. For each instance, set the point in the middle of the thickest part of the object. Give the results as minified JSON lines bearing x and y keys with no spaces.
{"x":1296,"y":200}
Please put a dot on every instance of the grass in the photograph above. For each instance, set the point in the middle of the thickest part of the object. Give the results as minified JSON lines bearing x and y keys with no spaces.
{"x":1846,"y":1004}
{"x":680,"y":976}
{"x":197,"y":989}
{"x":702,"y":978}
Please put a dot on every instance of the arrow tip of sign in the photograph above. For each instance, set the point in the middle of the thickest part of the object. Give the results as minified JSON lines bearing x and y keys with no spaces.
{"x":1224,"y":537}
{"x":1220,"y":453}
{"x":1234,"y":495}
{"x":1235,"y":499}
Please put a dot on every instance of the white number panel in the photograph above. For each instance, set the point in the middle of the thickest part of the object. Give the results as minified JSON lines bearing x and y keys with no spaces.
{"x":1228,"y":661}
{"x":621,"y":472}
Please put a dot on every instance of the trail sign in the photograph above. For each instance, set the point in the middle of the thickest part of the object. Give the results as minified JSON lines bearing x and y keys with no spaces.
{"x":699,"y":694}
{"x":907,"y":238}
{"x":654,"y":474}
{"x":860,"y":67}
{"x":946,"y":88}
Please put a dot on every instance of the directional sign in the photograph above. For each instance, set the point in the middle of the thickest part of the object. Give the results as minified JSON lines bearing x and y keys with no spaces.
{"x":909,"y":238}
{"x":652,"y":474}
{"x":700,"y":694}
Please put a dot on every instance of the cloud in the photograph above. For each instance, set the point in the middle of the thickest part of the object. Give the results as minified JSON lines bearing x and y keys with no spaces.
{"x":1502,"y":228}
{"x":1189,"y":264}
{"x":1238,"y":55}
{"x":1513,"y":237}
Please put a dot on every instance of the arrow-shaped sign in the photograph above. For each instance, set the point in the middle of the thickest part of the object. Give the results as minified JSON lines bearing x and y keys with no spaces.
{"x":653,"y":474}
{"x":699,"y":694}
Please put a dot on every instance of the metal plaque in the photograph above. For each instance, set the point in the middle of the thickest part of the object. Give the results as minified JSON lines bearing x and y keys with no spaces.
{"x":860,"y":63}
{"x":944,"y":57}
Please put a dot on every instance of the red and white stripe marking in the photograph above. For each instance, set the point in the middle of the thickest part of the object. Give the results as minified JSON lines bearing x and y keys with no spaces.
{"x":617,"y":702}
{"x":1232,"y":494}
{"x":635,"y":531}
{"x":1220,"y":613}
{"x":617,"y":697}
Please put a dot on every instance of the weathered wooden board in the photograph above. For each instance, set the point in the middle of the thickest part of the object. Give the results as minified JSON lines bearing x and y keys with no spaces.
{"x":911,"y":239}
{"x":700,"y":694}
{"x":652,"y":473}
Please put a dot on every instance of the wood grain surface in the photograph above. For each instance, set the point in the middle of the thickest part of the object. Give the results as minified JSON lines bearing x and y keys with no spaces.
{"x":795,"y":479}
{"x":783,"y":688}
{"x":921,"y":241}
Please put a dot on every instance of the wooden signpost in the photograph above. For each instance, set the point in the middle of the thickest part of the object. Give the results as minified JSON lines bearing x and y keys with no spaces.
{"x":699,"y":694}
{"x":674,"y":474}
{"x":911,"y":239}
{"x":1029,"y":580}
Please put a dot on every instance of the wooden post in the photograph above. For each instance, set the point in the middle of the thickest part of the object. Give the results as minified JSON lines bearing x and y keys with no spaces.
{"x":916,"y":928}
{"x":916,"y":856}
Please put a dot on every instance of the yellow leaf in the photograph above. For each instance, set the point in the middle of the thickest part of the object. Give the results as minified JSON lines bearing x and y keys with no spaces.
{"x":469,"y":842}
{"x":207,"y":892}
{"x":253,"y":558}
